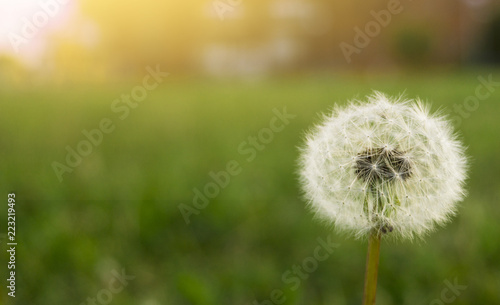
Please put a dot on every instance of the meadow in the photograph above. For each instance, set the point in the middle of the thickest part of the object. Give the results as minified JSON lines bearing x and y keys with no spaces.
{"x":118,"y":209}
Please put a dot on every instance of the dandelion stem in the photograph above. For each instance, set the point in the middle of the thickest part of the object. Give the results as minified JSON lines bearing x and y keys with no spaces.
{"x":372,"y":259}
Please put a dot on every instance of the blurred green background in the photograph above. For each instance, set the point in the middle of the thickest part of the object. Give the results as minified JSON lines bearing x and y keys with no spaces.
{"x":119,"y":209}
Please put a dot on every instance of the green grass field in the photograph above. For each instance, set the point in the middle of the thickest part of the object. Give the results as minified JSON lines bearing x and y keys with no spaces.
{"x":120,"y":207}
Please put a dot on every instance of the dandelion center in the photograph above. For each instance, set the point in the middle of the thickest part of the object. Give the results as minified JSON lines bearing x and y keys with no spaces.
{"x":382,"y":164}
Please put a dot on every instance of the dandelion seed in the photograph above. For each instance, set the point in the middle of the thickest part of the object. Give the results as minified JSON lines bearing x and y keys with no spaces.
{"x":400,"y":170}
{"x":408,"y":164}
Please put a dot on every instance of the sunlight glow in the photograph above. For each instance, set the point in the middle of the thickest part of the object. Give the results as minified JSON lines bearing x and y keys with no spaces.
{"x":29,"y":22}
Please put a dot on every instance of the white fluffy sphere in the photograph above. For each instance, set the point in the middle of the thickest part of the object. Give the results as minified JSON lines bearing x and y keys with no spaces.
{"x":385,"y":165}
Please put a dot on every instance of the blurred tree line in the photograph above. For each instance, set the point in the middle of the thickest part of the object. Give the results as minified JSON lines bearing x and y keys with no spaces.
{"x":178,"y":35}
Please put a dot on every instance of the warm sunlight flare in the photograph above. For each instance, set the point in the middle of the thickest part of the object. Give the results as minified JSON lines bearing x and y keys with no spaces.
{"x":26,"y":25}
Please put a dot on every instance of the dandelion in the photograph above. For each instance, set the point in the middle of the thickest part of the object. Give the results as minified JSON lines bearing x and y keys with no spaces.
{"x":383,"y":168}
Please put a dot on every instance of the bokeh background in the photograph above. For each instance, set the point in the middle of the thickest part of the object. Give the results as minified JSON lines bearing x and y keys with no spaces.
{"x":64,"y":63}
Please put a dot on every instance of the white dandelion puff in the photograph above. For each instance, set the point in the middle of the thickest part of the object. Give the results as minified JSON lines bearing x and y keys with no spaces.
{"x":386,"y":165}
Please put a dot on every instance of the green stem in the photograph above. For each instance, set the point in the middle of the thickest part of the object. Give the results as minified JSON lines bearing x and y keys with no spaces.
{"x":372,"y":259}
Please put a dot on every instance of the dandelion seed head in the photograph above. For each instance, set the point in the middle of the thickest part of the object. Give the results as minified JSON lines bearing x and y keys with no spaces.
{"x":391,"y":166}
